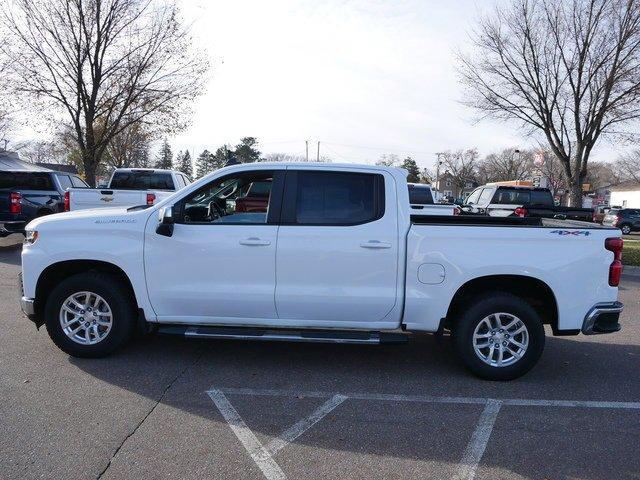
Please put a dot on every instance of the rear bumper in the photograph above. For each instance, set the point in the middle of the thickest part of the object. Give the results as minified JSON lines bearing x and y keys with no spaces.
{"x":9,"y":227}
{"x":602,"y":318}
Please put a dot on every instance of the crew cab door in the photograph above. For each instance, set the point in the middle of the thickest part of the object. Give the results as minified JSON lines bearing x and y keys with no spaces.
{"x":218,"y":265}
{"x":337,"y":258}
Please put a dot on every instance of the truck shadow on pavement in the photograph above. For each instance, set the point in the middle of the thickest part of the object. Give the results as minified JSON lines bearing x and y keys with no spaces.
{"x":570,"y":369}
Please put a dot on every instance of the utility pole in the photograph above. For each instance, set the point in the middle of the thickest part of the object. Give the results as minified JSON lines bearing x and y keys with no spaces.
{"x":438,"y":163}
{"x":318,"y":155}
{"x":306,"y":143}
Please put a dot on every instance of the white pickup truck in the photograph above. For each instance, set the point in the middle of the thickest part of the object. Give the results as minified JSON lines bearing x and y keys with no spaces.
{"x":318,"y":253}
{"x":128,"y":187}
{"x":422,"y":199}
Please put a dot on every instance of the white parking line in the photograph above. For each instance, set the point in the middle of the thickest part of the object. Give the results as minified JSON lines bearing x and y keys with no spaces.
{"x":475,"y":449}
{"x":470,"y":458}
{"x":293,"y":432}
{"x":259,"y":454}
{"x":385,"y":397}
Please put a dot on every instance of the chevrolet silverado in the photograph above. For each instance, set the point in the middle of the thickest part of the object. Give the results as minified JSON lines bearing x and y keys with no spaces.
{"x":332,"y":254}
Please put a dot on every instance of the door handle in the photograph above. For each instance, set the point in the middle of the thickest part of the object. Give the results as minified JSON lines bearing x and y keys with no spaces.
{"x":375,"y":244}
{"x":254,"y":241}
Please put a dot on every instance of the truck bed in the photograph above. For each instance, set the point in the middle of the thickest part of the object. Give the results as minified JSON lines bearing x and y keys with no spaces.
{"x":479,"y":220}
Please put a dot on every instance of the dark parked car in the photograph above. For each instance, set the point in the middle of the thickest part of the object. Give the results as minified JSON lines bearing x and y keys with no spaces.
{"x":507,"y":201}
{"x":25,"y":195}
{"x":626,"y":219}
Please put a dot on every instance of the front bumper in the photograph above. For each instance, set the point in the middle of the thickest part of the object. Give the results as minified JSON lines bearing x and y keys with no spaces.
{"x":602,"y":318}
{"x":27,"y":305}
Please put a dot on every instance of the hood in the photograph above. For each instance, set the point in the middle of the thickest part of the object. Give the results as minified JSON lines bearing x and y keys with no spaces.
{"x":98,"y":216}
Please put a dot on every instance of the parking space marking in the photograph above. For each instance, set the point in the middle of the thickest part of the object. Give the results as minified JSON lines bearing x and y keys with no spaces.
{"x":259,"y":454}
{"x":470,"y":458}
{"x":293,"y":432}
{"x":478,"y":443}
{"x":387,"y":397}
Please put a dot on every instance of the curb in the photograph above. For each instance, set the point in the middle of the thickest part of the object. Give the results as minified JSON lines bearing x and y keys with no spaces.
{"x":631,"y":270}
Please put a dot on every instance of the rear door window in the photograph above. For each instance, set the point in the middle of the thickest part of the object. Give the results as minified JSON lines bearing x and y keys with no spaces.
{"x":338,"y":198}
{"x":142,"y":181}
{"x":473,"y":198}
{"x":64,"y":181}
{"x":77,"y":182}
{"x":485,"y":196}
{"x":26,"y":180}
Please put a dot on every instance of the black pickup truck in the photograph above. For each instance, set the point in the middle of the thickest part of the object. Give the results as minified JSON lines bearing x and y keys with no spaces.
{"x":27,"y":194}
{"x":507,"y":200}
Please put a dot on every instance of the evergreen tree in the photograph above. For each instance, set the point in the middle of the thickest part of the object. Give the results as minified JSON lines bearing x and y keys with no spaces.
{"x":219,"y":159}
{"x":183,"y":163}
{"x":410,"y":165}
{"x":164,"y":159}
{"x":246,"y":151}
{"x":203,"y":164}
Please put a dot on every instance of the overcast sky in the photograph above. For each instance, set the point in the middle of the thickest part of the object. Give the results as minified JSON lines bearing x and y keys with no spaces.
{"x":363,"y":77}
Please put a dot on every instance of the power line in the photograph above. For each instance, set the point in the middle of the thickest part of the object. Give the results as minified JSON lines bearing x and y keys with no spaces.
{"x":387,"y":149}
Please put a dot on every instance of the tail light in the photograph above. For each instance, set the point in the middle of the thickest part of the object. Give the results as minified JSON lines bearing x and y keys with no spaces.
{"x":151,"y":197}
{"x":14,"y":203}
{"x":521,"y":212}
{"x":456,"y":210}
{"x":67,"y":201}
{"x":615,"y":269}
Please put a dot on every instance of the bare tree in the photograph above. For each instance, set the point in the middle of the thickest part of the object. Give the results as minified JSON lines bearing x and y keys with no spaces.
{"x":567,"y":69}
{"x":548,"y":166}
{"x":628,"y":166}
{"x":388,"y":160}
{"x":462,"y":165}
{"x":428,"y":176}
{"x":104,"y":64}
{"x":509,"y":164}
{"x":288,"y":157}
{"x":129,"y":147}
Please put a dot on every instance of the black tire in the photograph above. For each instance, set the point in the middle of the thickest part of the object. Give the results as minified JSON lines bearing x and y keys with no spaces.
{"x":480,"y":308}
{"x":111,"y":289}
{"x":626,"y":229}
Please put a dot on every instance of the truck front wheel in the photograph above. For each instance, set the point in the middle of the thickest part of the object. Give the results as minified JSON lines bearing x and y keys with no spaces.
{"x":90,"y":314}
{"x":499,"y":337}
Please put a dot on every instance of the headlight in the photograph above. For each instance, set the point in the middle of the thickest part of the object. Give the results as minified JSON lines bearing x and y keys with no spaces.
{"x":30,"y":237}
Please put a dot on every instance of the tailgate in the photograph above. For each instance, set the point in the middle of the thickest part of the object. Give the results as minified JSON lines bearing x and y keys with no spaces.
{"x":86,"y":198}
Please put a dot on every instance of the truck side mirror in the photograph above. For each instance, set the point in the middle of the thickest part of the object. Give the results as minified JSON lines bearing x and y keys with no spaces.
{"x":165,"y":221}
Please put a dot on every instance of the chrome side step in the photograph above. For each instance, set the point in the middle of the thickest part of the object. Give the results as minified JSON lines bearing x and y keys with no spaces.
{"x":282,"y":335}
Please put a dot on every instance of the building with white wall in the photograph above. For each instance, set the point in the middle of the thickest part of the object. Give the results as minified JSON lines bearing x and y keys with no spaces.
{"x":625,"y":194}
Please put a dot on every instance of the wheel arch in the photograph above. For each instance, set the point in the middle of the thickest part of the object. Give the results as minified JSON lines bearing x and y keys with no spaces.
{"x":57,"y":272}
{"x":530,"y":289}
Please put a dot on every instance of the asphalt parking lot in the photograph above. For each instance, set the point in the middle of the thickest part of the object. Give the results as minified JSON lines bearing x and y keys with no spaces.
{"x":170,"y":408}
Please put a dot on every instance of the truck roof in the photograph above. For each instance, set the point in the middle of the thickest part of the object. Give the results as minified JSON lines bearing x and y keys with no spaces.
{"x":517,"y":187}
{"x":310,"y":165}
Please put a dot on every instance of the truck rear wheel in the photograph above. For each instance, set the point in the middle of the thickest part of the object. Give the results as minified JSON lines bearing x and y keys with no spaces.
{"x":500,"y":337}
{"x":90,"y":315}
